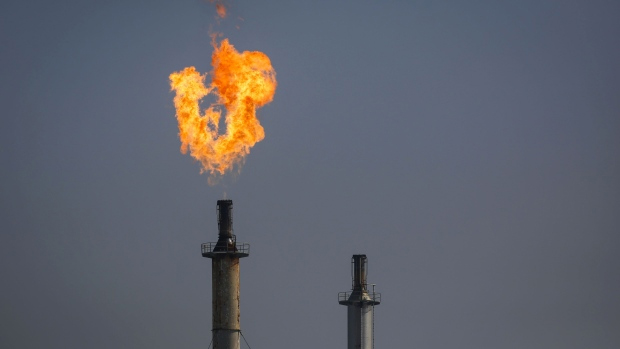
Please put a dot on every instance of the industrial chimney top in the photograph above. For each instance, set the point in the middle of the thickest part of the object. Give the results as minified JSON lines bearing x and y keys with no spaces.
{"x":227,"y":241}
{"x":224,"y":218}
{"x":359,"y":290}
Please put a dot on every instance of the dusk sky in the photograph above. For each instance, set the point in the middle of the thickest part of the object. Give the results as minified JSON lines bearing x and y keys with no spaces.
{"x":471,"y":149}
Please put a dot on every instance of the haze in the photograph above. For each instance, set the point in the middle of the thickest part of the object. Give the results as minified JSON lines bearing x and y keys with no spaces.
{"x":469,"y":148}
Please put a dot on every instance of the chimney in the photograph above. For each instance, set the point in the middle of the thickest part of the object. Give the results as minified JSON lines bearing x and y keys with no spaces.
{"x":360,"y":306}
{"x":225,"y":254}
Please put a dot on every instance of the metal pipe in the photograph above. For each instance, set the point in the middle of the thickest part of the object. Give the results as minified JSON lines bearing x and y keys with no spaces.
{"x":224,"y":219}
{"x":359,"y":272}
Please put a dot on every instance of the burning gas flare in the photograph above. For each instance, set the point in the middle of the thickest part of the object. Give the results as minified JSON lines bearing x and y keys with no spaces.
{"x":241,"y":82}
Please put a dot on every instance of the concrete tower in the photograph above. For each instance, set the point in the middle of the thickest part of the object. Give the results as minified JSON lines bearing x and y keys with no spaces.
{"x":360,"y":306}
{"x":225,"y":254}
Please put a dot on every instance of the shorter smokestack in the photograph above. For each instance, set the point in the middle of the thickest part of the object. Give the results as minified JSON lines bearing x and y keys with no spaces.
{"x":360,"y":306}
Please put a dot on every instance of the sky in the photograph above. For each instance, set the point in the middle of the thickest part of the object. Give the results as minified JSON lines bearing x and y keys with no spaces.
{"x":469,"y":148}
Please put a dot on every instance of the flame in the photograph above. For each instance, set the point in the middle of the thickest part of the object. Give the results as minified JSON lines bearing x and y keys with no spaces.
{"x":242,"y":82}
{"x":220,"y":8}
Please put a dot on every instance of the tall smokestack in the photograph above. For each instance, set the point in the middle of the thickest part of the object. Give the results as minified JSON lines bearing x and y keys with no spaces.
{"x":225,"y":254}
{"x":360,"y":306}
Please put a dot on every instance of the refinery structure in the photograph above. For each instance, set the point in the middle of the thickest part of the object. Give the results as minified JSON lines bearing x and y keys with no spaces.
{"x":360,"y":306}
{"x":225,"y":255}
{"x":226,"y":315}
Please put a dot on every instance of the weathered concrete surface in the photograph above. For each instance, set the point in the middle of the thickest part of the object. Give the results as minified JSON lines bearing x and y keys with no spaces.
{"x":225,"y":287}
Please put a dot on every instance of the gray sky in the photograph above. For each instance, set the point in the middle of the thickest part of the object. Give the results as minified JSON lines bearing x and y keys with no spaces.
{"x":469,"y":148}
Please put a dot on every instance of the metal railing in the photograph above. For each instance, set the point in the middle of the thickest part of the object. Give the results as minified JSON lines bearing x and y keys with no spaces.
{"x":344,"y":296}
{"x":240,"y":247}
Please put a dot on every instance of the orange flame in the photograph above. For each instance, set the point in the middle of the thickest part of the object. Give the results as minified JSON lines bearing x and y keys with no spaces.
{"x":221,"y":10}
{"x":241,"y":82}
{"x":219,"y":7}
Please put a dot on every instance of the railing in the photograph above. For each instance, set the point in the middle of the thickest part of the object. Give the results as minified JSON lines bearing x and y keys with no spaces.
{"x":240,"y":248}
{"x":344,"y":296}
